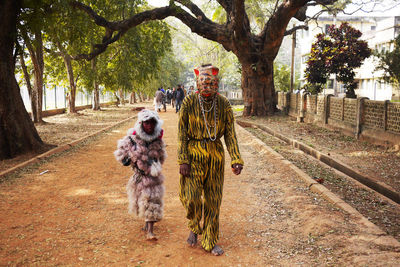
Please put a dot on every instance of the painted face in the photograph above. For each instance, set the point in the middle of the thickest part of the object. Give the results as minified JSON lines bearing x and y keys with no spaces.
{"x":207,"y":80}
{"x":148,"y":126}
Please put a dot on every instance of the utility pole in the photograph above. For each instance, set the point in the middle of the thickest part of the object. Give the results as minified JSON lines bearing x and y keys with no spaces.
{"x":292,"y":64}
{"x":335,"y":93}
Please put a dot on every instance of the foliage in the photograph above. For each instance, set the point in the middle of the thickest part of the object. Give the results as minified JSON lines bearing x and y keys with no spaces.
{"x":136,"y":59}
{"x":194,"y":50}
{"x":128,"y":64}
{"x":338,"y":52}
{"x":282,"y":77}
{"x":389,"y":62}
{"x":313,"y":88}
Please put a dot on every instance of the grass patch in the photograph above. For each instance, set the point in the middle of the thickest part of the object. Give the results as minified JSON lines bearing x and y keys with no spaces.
{"x":238,"y":108}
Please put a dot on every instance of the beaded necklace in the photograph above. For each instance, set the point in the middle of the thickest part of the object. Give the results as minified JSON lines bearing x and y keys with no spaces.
{"x":203,"y":111}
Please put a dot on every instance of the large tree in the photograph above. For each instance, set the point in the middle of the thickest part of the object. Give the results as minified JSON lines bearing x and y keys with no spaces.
{"x":17,"y":132}
{"x":255,"y":51}
{"x":30,"y":27}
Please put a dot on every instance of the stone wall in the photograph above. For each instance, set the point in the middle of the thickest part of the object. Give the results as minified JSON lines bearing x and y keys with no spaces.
{"x":393,"y":117}
{"x":373,"y":115}
{"x":350,"y":111}
{"x":376,"y":121}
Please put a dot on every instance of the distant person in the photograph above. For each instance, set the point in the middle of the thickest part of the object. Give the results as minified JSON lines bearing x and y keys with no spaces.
{"x":144,"y":150}
{"x":158,"y":100}
{"x":169,"y":95}
{"x":173,"y":96}
{"x":180,"y":95}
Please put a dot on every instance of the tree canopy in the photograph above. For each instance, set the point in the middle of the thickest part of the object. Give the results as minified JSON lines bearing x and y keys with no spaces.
{"x":339,"y":51}
{"x":389,"y":62}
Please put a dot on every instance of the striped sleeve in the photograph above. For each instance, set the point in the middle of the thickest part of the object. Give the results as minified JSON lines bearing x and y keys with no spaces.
{"x":183,"y":155}
{"x":230,"y":136}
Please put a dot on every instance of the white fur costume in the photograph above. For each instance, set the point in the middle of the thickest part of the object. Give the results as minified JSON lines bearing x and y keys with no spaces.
{"x":146,"y":153}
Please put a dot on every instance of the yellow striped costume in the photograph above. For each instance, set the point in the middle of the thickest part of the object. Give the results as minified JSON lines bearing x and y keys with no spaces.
{"x":206,"y":159}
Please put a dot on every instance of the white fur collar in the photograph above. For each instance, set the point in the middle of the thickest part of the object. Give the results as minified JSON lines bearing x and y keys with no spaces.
{"x":143,"y":135}
{"x":145,"y":115}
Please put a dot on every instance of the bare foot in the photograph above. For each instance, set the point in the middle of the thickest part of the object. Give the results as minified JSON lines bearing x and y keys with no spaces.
{"x":192,"y":239}
{"x":217,"y":251}
{"x":151,"y":237}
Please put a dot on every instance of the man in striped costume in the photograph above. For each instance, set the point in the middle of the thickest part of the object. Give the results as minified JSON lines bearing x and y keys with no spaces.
{"x":204,"y":118}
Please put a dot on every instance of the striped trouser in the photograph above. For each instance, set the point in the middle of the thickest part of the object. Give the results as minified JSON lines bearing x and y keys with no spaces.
{"x":207,"y":178}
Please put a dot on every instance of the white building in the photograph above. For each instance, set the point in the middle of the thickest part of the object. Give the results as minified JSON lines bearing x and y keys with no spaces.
{"x":378,"y":32}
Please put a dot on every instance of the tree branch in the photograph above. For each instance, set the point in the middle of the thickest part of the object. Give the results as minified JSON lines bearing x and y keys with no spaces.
{"x":227,"y":5}
{"x":195,"y":10}
{"x":299,"y":27}
{"x":201,"y":25}
{"x":239,"y":15}
{"x":99,"y":20}
{"x":275,"y":28}
{"x":211,"y":31}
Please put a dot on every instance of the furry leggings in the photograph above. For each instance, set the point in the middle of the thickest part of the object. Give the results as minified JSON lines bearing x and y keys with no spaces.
{"x":207,"y":178}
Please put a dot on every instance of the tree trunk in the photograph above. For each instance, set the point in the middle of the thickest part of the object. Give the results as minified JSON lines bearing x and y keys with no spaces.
{"x":118,"y":100}
{"x":17,"y":131}
{"x":35,"y":48}
{"x":140,"y":97}
{"x":96,"y":96}
{"x":38,"y":65}
{"x":121,"y":96}
{"x":258,"y":89}
{"x":72,"y":85}
{"x":132,"y":98}
{"x":38,"y":94}
{"x":32,"y":94}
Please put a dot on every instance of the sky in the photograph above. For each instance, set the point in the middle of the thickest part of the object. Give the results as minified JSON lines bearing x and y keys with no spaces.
{"x":380,"y":8}
{"x":384,"y":8}
{"x":158,"y":3}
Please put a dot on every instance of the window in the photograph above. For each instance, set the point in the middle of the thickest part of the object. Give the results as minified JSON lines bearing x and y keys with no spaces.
{"x":329,"y":84}
{"x":327,"y":27}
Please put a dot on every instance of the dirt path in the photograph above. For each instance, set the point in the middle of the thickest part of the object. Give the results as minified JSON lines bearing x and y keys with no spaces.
{"x":76,"y":215}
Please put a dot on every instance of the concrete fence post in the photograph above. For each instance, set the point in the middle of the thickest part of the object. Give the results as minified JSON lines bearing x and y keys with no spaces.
{"x":385,"y":114}
{"x":343,"y":103}
{"x":360,"y":111}
{"x":303,"y":107}
{"x":286,"y":102}
{"x":326,"y":108}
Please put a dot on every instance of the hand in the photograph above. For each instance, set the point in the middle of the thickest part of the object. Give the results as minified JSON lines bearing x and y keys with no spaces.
{"x":126,"y":161}
{"x":184,"y":169}
{"x":237,"y":168}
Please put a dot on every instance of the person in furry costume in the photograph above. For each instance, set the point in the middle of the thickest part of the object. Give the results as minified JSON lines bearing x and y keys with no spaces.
{"x":144,"y":150}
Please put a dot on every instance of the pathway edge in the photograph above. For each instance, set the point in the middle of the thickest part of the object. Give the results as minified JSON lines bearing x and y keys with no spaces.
{"x":61,"y":148}
{"x":329,"y":196}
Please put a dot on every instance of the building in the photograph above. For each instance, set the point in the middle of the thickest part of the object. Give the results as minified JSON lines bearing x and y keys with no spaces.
{"x":378,"y":32}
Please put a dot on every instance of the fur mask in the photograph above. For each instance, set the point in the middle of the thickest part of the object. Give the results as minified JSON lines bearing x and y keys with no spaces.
{"x":146,"y":115}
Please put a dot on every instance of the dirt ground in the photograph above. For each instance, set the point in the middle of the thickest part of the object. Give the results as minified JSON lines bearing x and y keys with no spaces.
{"x":72,"y":211}
{"x":377,"y":162}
